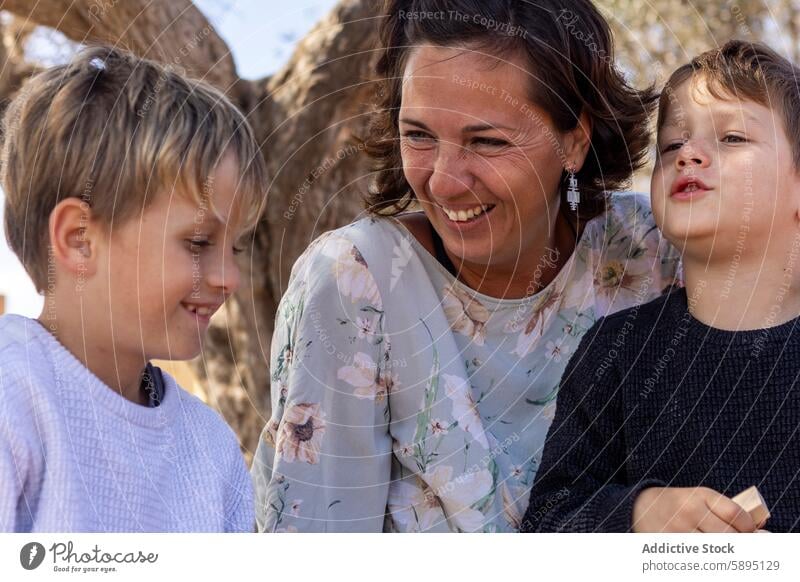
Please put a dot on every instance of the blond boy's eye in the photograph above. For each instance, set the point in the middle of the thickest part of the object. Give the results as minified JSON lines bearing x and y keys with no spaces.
{"x":196,"y":245}
{"x":238,"y":250}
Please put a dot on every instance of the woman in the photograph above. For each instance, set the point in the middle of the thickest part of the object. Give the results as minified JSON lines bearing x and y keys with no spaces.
{"x":417,"y":355}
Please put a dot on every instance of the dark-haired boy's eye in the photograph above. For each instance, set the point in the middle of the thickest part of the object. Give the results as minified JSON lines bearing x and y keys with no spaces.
{"x":734,"y":138}
{"x":672,"y":147}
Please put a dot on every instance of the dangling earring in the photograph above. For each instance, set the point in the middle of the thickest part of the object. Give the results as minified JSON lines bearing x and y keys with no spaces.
{"x":573,"y":195}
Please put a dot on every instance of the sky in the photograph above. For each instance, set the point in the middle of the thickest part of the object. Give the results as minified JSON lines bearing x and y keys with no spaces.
{"x":261,"y":34}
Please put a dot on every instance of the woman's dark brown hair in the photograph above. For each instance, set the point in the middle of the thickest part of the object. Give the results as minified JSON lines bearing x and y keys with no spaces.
{"x":569,"y":49}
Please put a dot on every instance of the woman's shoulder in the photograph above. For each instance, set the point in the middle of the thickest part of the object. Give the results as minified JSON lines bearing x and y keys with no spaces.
{"x":377,"y":245}
{"x":368,"y":235}
{"x":627,"y":208}
{"x":627,"y":222}
{"x":356,"y":260}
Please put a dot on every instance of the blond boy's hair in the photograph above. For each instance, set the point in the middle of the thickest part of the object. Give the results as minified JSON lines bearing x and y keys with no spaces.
{"x":114,"y":130}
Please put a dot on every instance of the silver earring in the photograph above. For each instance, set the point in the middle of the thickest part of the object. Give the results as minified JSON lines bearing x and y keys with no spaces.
{"x":573,"y":195}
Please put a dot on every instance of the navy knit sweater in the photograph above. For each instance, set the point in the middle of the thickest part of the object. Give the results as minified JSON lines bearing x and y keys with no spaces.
{"x":653,"y":397}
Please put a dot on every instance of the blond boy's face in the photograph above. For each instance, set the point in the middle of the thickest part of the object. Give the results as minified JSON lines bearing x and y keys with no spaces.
{"x":724,"y":174}
{"x":162,"y":274}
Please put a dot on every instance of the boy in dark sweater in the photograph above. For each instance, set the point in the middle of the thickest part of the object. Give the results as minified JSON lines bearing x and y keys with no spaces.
{"x":669,"y":409}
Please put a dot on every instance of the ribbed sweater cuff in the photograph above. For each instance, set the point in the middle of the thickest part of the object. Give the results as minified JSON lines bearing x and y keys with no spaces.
{"x":616,"y":508}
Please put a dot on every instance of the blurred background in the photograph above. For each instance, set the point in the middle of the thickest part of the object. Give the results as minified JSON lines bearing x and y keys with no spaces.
{"x":301,"y":72}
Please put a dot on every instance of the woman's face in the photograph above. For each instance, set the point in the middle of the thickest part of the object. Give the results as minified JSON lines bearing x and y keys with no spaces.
{"x":484,"y":162}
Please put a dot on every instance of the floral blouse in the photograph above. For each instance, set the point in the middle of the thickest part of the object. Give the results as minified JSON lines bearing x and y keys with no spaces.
{"x":402,"y":400}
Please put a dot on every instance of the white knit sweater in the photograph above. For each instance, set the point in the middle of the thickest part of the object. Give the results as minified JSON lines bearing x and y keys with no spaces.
{"x":75,"y":456}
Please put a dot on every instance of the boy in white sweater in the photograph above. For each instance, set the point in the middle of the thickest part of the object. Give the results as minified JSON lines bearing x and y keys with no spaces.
{"x":127,"y":187}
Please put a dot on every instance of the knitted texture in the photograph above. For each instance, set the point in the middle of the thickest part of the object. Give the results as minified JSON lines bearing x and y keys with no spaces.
{"x":655,"y":397}
{"x":75,"y":456}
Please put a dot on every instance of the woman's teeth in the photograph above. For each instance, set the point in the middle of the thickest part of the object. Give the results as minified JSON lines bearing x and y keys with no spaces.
{"x":465,"y":215}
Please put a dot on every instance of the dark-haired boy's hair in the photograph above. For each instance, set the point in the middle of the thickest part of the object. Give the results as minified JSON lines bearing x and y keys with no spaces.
{"x":750,"y":71}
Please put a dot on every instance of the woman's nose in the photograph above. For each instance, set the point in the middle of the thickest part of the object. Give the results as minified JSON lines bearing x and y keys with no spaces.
{"x":451,"y":174}
{"x":692,"y":153}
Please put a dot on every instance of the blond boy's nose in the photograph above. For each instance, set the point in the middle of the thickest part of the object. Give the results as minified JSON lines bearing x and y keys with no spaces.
{"x":225,"y":275}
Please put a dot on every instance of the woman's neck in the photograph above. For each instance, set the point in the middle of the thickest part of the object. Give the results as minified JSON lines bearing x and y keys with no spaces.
{"x":528,"y":274}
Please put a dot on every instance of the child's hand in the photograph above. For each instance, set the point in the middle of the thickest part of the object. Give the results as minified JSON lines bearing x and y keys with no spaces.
{"x":688,"y":509}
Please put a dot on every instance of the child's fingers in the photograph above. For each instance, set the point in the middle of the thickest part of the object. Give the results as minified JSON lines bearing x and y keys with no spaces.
{"x":711,"y":523}
{"x":730,"y":512}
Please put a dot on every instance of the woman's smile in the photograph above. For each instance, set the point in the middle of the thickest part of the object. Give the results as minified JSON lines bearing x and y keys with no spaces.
{"x":466,"y":220}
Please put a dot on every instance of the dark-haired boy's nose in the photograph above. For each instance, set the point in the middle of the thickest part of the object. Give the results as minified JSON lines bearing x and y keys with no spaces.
{"x":692,"y":154}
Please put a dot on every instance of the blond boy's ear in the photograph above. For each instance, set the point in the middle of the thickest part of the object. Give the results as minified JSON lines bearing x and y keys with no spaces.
{"x":73,"y":238}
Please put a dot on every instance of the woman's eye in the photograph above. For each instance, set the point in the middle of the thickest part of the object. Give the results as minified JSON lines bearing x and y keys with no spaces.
{"x":490,"y":141}
{"x":417,"y":136}
{"x":734,"y":138}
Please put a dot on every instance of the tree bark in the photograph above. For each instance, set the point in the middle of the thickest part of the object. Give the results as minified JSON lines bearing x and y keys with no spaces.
{"x":305,"y":117}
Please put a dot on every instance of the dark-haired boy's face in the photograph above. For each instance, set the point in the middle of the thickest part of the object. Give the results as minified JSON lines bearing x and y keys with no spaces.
{"x":724,"y":181}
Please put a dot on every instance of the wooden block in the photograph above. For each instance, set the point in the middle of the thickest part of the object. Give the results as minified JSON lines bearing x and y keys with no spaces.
{"x":751,"y":501}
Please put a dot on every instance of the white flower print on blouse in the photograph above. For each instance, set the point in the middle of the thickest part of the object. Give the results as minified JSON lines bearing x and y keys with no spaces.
{"x":422,"y":505}
{"x":541,"y":309}
{"x":368,"y":381}
{"x":465,"y":313}
{"x":354,"y":278}
{"x":465,"y":411}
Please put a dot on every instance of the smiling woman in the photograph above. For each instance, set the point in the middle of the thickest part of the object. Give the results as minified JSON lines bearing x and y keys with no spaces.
{"x":446,"y":330}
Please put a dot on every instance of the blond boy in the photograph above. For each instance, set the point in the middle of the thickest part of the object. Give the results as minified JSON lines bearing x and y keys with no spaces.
{"x":127,"y":188}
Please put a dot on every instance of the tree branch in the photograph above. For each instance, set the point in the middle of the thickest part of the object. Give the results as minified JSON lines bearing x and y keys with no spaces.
{"x":169,"y":31}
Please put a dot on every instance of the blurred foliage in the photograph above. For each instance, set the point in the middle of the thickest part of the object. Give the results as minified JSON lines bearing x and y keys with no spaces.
{"x":656,"y":36}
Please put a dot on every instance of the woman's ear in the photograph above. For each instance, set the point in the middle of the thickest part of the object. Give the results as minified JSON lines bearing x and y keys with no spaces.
{"x":74,"y":237}
{"x":577,"y":142}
